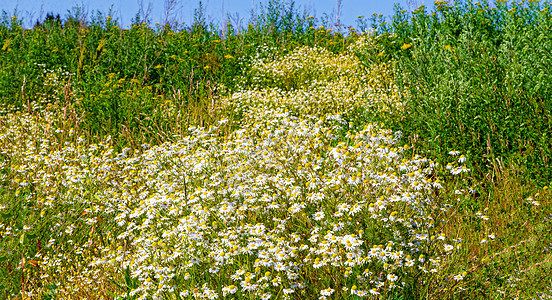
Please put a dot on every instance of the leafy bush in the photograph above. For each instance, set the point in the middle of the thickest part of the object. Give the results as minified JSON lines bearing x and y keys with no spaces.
{"x":478,"y":81}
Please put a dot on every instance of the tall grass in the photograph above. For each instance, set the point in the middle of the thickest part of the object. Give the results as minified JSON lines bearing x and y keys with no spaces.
{"x":479,"y":81}
{"x":120,"y":78}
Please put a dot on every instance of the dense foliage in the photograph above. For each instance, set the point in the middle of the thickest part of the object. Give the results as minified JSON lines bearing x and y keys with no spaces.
{"x":479,"y":78}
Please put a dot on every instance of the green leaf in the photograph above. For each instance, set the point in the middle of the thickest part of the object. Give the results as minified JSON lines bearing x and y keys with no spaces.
{"x":112,"y":294}
{"x":128,"y":279}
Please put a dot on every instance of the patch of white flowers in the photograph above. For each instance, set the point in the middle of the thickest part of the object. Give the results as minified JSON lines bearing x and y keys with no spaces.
{"x":292,"y":196}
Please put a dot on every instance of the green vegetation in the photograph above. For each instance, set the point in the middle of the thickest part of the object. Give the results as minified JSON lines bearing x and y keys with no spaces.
{"x":281,"y":160}
{"x":479,"y":80}
{"x":120,"y":79}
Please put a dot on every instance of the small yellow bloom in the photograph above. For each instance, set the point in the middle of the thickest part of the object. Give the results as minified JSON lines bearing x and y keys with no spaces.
{"x":406,"y":46}
{"x":6,"y":44}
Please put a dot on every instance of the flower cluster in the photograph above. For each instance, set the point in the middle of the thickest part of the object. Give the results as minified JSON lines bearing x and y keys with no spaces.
{"x":295,"y":201}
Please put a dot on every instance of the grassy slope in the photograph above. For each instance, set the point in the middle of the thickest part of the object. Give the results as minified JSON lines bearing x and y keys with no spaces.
{"x":476,"y":82}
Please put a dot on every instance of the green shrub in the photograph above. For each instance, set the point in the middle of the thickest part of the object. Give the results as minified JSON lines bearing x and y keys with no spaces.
{"x":478,"y":80}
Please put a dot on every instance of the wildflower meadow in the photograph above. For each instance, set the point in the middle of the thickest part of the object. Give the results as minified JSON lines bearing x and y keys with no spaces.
{"x":285,"y":159}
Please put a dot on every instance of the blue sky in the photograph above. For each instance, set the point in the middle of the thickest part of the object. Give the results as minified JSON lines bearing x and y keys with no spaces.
{"x":216,"y":10}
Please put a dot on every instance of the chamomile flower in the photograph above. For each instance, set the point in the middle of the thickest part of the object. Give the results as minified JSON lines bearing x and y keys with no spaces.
{"x":327,"y":292}
{"x":288,"y":291}
{"x":374,"y":291}
{"x":318,"y":215}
